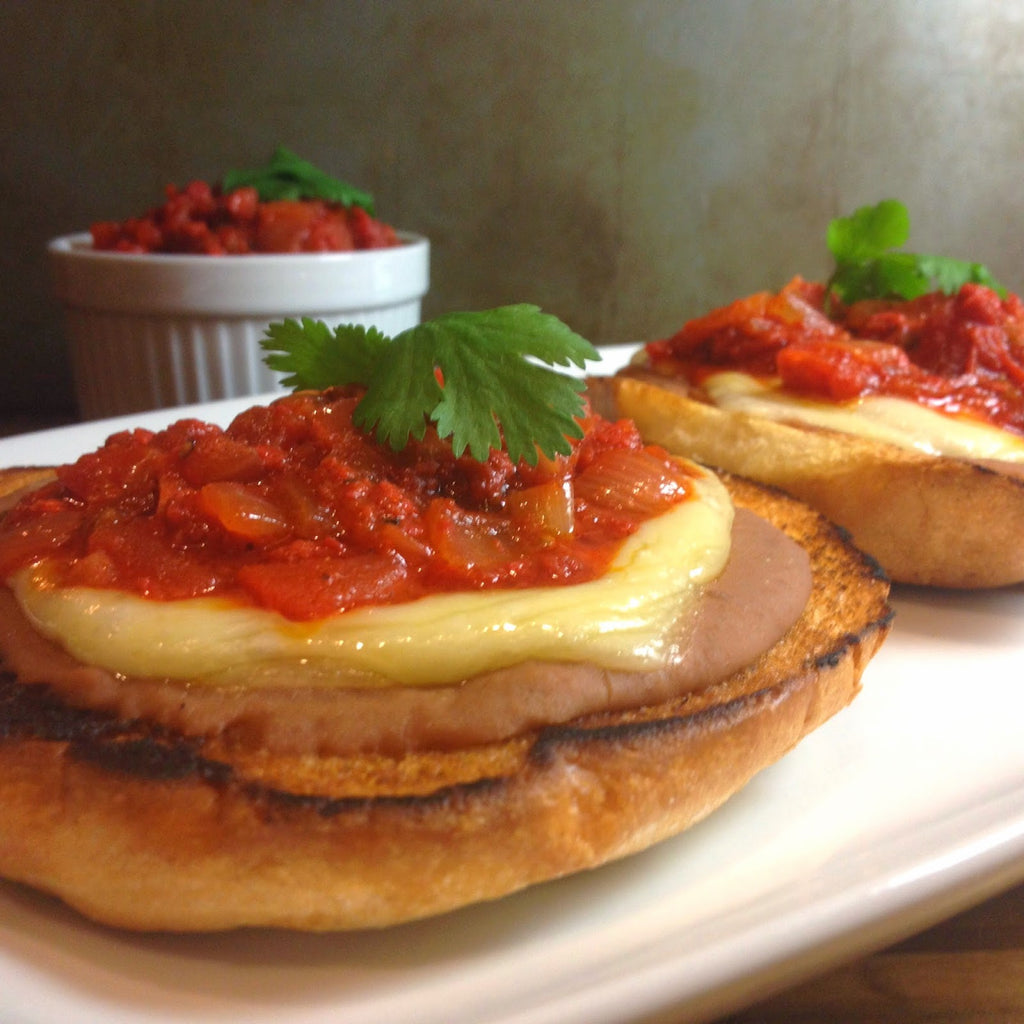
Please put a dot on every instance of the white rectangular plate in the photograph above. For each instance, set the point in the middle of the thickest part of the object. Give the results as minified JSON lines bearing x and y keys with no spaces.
{"x":903,"y":809}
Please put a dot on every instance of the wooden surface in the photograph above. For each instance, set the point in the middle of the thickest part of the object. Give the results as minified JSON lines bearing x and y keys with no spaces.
{"x":967,"y":970}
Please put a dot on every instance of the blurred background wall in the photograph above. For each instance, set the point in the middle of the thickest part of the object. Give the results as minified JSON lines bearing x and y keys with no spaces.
{"x":624,"y":164}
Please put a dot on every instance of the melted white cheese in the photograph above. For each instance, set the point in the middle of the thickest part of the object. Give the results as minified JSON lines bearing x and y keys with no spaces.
{"x":895,"y":420}
{"x":625,"y":619}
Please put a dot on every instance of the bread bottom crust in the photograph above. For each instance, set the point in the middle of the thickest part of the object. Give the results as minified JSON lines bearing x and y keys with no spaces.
{"x":144,"y":829}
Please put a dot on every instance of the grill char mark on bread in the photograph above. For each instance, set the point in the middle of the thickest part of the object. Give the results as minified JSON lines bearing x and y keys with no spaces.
{"x":141,"y":828}
{"x":132,"y":748}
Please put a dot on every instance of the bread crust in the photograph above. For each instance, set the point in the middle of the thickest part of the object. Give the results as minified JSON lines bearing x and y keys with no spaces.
{"x":927,"y":519}
{"x":142,"y":828}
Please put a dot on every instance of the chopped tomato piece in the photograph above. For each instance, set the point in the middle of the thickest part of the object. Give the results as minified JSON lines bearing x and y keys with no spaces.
{"x":54,"y":526}
{"x":219,"y":457}
{"x":317,"y":587}
{"x":284,"y":226}
{"x":840,"y":371}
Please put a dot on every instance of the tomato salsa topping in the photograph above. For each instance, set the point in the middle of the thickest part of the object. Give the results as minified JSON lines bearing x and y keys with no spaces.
{"x":204,"y":219}
{"x":292,"y":508}
{"x":960,"y":354}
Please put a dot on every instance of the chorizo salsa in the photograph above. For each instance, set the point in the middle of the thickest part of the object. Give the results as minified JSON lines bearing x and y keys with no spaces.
{"x":960,"y":354}
{"x":292,"y":508}
{"x":203,"y":219}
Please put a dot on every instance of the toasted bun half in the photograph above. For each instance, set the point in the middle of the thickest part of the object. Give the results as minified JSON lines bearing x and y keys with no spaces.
{"x":139,"y":827}
{"x":927,"y":519}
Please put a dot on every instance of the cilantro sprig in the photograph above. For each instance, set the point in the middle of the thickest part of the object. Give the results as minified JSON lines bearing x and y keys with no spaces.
{"x":868,"y":265}
{"x":288,"y":176}
{"x":478,"y":377}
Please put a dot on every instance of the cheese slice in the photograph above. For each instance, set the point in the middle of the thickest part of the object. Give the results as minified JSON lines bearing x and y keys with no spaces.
{"x":626,"y":619}
{"x":894,"y":420}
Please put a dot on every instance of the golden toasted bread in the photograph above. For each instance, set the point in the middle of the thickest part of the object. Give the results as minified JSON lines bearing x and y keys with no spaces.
{"x":927,"y":519}
{"x":142,"y":827}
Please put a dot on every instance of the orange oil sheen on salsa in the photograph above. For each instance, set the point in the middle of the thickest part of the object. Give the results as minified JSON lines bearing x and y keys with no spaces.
{"x":292,"y":509}
{"x":960,"y":354}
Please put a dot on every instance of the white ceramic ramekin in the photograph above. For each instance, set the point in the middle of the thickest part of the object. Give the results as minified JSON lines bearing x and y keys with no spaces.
{"x":150,"y":331}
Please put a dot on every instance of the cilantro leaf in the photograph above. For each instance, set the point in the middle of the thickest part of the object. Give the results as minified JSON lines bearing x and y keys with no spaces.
{"x":950,"y":274}
{"x":869,"y":232}
{"x":478,"y":376}
{"x":316,"y":357}
{"x":868,"y":268}
{"x":890,"y":274}
{"x":402,"y":390}
{"x":288,"y":176}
